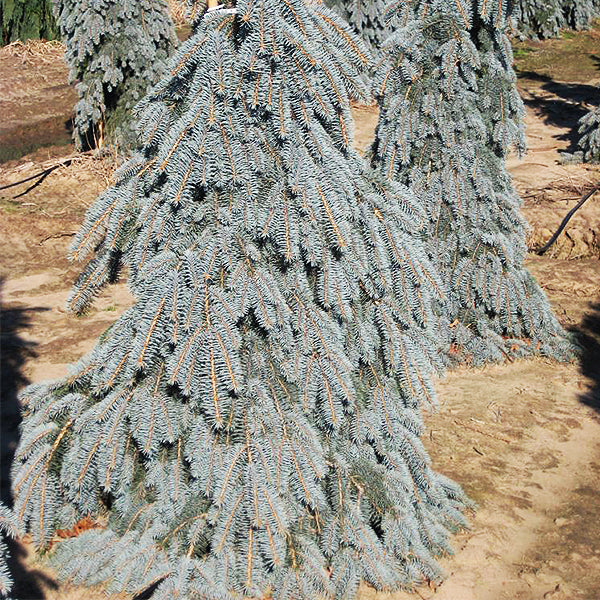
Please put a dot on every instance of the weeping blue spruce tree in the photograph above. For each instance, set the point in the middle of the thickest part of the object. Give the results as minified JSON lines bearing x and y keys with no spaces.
{"x":589,"y":143}
{"x":251,"y":426}
{"x":541,"y":19}
{"x":538,"y":19}
{"x":366,"y":17}
{"x":115,"y":50}
{"x":450,"y":112}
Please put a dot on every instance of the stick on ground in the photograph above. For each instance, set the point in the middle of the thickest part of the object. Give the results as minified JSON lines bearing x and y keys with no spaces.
{"x":566,"y":220}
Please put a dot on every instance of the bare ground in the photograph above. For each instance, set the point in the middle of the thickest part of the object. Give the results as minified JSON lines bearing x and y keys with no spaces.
{"x":522,"y":438}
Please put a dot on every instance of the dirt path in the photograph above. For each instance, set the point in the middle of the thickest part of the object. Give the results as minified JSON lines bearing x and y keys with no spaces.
{"x":523,"y":439}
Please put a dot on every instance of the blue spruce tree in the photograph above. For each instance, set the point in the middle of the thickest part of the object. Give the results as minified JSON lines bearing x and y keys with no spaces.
{"x":115,"y":50}
{"x":578,"y":14}
{"x":367,"y":18}
{"x":589,"y":143}
{"x":541,"y":19}
{"x":251,"y":426}
{"x":538,"y":19}
{"x":450,"y":112}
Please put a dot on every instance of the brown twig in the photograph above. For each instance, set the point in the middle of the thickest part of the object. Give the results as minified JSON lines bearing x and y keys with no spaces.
{"x":41,"y":176}
{"x":477,"y":430}
{"x":56,"y":236}
{"x":43,"y":173}
{"x":566,"y":220}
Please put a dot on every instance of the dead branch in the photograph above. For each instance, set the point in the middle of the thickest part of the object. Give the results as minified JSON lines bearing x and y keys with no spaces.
{"x":56,"y":236}
{"x":41,"y":176}
{"x":566,"y":220}
{"x":461,"y":423}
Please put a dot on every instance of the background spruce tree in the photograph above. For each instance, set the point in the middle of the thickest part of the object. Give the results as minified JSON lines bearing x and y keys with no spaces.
{"x":367,"y":18}
{"x":538,"y":19}
{"x":589,"y":143}
{"x":27,"y":19}
{"x":541,"y":19}
{"x":450,"y":113}
{"x":251,"y":426}
{"x":115,"y":50}
{"x":578,"y":14}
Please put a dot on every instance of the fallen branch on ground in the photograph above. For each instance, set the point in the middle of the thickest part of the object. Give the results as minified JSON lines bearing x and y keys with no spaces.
{"x":566,"y":220}
{"x":56,"y":236}
{"x":41,"y":176}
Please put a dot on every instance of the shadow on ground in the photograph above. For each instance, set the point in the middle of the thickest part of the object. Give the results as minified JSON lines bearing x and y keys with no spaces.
{"x":567,"y":103}
{"x":589,"y":338}
{"x":14,"y":352}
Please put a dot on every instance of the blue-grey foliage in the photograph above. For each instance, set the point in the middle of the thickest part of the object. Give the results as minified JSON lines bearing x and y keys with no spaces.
{"x":368,"y":18}
{"x":8,"y":528}
{"x":450,"y":113}
{"x":578,"y":14}
{"x":115,"y":50}
{"x":541,"y":19}
{"x":538,"y":19}
{"x":251,"y":426}
{"x":589,"y":142}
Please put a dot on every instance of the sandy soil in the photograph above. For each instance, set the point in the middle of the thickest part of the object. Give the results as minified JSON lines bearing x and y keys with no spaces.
{"x":522,"y":438}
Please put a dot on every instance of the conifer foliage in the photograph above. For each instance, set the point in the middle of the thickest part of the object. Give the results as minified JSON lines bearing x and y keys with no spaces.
{"x":251,"y":426}
{"x":589,"y":143}
{"x":538,"y":19}
{"x":8,"y":528}
{"x":27,"y":19}
{"x":541,"y":19}
{"x":366,"y":17}
{"x":450,"y":112}
{"x":115,"y":50}
{"x":579,"y":13}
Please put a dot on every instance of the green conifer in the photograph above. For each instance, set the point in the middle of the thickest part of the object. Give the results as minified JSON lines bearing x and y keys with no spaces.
{"x":26,"y":20}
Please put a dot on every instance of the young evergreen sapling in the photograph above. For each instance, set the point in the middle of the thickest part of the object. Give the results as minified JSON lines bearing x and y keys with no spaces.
{"x":450,"y":112}
{"x":251,"y":426}
{"x":115,"y":50}
{"x":589,"y":142}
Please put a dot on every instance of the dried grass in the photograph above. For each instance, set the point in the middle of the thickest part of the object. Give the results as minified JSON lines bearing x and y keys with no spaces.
{"x":35,"y":51}
{"x":101,"y":165}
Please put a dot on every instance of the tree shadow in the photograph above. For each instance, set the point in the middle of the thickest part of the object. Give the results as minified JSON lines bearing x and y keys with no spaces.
{"x":588,"y":335}
{"x":26,"y":581}
{"x":14,"y":352}
{"x":571,"y":101}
